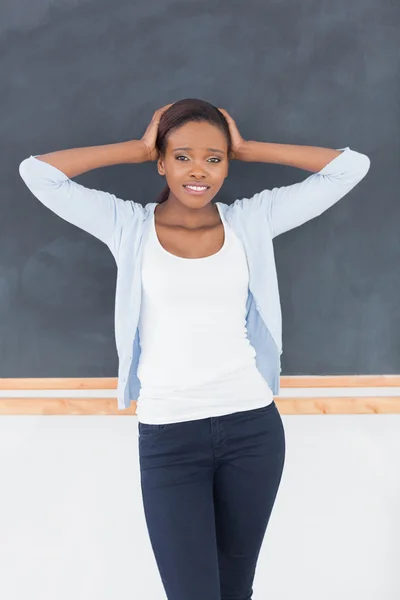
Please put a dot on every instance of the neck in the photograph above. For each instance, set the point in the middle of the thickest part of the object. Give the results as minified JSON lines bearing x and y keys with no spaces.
{"x":179,"y":215}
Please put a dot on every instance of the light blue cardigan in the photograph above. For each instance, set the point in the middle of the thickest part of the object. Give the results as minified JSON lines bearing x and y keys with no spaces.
{"x":124,"y":224}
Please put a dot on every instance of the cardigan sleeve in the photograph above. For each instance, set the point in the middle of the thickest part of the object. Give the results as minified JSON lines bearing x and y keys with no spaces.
{"x":292,"y":205}
{"x":98,"y":212}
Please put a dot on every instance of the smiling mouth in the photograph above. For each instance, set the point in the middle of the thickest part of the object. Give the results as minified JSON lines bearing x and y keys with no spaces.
{"x":196,"y":189}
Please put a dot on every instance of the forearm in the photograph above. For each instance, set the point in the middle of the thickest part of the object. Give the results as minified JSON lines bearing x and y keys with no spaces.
{"x":75,"y":161}
{"x":309,"y":158}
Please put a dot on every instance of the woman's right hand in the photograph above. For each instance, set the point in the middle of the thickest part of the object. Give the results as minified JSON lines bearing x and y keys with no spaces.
{"x":150,"y":135}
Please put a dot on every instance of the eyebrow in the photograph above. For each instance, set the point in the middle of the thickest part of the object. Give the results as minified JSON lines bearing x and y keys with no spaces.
{"x":210,"y":149}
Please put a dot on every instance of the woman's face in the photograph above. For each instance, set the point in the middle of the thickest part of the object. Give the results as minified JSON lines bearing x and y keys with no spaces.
{"x":196,"y":153}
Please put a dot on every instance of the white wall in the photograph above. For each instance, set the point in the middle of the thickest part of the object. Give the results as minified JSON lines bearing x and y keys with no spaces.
{"x":72,"y":522}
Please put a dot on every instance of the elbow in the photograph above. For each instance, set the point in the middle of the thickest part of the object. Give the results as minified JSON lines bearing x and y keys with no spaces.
{"x":24,"y":170}
{"x":366,"y":163}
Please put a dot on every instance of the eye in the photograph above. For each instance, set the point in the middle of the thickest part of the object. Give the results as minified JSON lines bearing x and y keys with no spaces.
{"x":212,"y":158}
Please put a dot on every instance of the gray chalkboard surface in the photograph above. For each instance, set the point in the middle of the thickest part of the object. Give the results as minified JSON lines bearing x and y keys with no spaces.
{"x":88,"y":73}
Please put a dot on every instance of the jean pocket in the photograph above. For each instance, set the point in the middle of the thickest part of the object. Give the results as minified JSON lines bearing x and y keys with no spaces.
{"x":150,"y":429}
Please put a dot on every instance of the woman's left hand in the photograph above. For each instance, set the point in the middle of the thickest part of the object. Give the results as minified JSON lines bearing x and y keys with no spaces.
{"x":238,"y":142}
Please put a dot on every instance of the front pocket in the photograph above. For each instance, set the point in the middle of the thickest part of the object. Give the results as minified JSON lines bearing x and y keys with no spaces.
{"x":149,"y":429}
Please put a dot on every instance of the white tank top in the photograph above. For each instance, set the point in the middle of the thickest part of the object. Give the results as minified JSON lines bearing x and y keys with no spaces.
{"x":196,"y":360}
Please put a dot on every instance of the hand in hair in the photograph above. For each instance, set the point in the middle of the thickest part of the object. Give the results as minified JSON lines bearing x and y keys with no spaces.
{"x":150,"y":135}
{"x":237,"y":141}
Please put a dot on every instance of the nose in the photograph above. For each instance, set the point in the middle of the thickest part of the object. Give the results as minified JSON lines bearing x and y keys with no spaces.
{"x":197,"y":174}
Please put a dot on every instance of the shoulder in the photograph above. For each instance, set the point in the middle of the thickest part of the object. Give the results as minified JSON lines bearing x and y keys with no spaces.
{"x":247,"y":207}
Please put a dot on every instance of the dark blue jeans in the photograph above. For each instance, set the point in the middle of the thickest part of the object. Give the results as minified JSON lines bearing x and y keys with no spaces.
{"x":208,"y":488}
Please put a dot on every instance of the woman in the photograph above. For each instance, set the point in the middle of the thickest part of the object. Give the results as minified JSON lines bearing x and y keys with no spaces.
{"x":198,"y":329}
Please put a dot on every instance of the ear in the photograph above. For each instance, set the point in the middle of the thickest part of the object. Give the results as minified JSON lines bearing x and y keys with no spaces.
{"x":160,"y":166}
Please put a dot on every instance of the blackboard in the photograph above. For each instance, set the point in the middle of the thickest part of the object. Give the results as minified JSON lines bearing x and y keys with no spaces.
{"x":88,"y":73}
